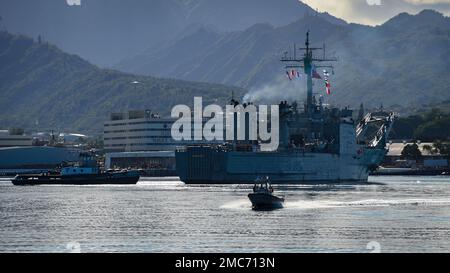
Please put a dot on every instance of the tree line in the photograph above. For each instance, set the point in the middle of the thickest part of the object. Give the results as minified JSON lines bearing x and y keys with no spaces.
{"x":431,"y":126}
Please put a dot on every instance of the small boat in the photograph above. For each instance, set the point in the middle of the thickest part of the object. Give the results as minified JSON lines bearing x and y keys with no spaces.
{"x":263,"y":198}
{"x":86,"y":172}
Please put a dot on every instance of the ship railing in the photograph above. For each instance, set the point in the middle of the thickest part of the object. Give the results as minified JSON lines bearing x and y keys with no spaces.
{"x":380,"y":135}
{"x":180,"y":149}
{"x":385,"y":120}
{"x":362,"y":124}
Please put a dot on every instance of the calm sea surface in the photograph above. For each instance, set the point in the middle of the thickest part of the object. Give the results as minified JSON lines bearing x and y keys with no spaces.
{"x":393,"y":214}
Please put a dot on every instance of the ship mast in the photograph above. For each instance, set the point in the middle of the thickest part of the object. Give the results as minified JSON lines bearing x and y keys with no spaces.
{"x":307,"y":63}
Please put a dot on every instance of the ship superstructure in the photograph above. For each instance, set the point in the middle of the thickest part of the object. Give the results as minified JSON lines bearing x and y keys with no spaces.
{"x":318,"y":144}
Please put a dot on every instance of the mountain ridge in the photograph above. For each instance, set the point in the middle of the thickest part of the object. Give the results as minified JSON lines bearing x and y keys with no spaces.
{"x":42,"y":87}
{"x":104,"y":32}
{"x":250,"y":58}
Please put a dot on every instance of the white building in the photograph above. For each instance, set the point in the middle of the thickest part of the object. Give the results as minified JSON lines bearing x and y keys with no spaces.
{"x":139,"y":131}
{"x":14,"y":138}
{"x":72,"y":138}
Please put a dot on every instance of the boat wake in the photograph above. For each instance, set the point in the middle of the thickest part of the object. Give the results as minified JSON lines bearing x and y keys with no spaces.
{"x":244,"y":204}
{"x":238,"y":204}
{"x":367,"y":203}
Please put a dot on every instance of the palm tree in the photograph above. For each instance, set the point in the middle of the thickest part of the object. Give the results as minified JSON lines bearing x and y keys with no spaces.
{"x":428,"y":148}
{"x":432,"y":149}
{"x":411,"y":151}
{"x":442,"y":147}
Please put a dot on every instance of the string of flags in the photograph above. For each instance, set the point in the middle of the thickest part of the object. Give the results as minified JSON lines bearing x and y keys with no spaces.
{"x":315,"y":75}
{"x":327,"y":82}
{"x":295,"y":74}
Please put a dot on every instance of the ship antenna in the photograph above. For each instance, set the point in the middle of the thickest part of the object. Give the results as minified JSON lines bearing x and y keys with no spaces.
{"x":307,"y":63}
{"x":295,"y":51}
{"x":307,"y":42}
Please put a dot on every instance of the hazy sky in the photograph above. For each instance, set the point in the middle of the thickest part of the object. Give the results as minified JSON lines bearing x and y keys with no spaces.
{"x":375,"y":12}
{"x":370,"y":12}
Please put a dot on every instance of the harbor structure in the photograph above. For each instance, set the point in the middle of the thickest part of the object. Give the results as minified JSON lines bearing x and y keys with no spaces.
{"x":150,"y":163}
{"x":141,"y":130}
{"x":428,"y":161}
{"x":14,"y":160}
{"x":14,"y":138}
{"x":141,"y":139}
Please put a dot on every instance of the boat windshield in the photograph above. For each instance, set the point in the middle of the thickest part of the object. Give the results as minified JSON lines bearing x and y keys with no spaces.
{"x":263,"y":187}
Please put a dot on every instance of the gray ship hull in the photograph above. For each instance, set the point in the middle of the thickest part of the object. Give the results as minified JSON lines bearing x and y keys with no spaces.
{"x":203,"y":165}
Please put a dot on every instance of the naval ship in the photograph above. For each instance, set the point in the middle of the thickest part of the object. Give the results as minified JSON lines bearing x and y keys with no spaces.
{"x":318,"y":143}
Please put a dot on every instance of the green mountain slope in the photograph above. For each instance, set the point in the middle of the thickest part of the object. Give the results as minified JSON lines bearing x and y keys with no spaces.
{"x":43,"y":87}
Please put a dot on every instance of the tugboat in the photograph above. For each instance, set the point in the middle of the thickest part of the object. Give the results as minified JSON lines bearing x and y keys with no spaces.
{"x":263,"y":198}
{"x":85,"y":172}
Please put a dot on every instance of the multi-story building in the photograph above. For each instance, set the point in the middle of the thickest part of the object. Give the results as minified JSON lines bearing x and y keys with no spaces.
{"x":141,"y":140}
{"x":14,"y":138}
{"x":139,"y":131}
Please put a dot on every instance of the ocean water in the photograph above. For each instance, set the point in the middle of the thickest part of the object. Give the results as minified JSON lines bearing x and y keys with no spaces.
{"x":390,"y":214}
